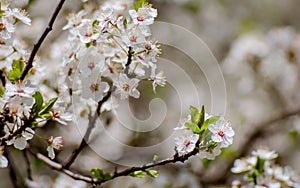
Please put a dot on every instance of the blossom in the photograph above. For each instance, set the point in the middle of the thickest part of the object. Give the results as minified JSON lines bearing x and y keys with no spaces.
{"x":209,"y":153}
{"x":93,"y":88}
{"x":158,"y":79}
{"x":54,"y":143}
{"x":144,"y":16}
{"x":222,"y":132}
{"x":20,"y":140}
{"x":18,"y":89}
{"x":74,"y":20}
{"x":243,"y":165}
{"x":6,"y":28}
{"x":127,"y":87}
{"x":19,"y":15}
{"x":86,"y":31}
{"x":60,"y":117}
{"x":265,"y":153}
{"x":186,"y":141}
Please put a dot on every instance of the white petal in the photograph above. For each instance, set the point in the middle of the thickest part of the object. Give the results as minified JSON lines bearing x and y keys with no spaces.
{"x":3,"y":161}
{"x":51,"y":153}
{"x":20,"y":143}
{"x":135,"y":93}
{"x":28,"y":133}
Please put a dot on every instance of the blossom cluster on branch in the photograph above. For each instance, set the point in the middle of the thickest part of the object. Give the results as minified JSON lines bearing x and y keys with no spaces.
{"x":110,"y":51}
{"x":261,"y":171}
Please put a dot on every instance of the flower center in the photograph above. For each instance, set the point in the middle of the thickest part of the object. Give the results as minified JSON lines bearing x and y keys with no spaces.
{"x":221,"y":133}
{"x":89,"y":34}
{"x":94,"y":87}
{"x":187,"y":143}
{"x":125,"y":87}
{"x":91,"y":65}
{"x":2,"y":27}
{"x":140,"y":18}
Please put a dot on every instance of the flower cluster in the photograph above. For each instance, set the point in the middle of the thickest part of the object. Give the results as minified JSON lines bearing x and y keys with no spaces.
{"x":22,"y":107}
{"x":111,"y":49}
{"x":207,"y":133}
{"x":261,"y":171}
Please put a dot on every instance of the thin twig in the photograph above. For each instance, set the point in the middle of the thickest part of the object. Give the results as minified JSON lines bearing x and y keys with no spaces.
{"x":59,"y":167}
{"x":41,"y":40}
{"x":86,"y":137}
{"x":29,"y":174}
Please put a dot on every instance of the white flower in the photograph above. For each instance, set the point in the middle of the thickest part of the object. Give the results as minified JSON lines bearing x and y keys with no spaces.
{"x":74,"y":20}
{"x":54,"y":143}
{"x":18,"y":89}
{"x":93,"y":87}
{"x":158,"y":79}
{"x":265,"y":153}
{"x":91,"y":61}
{"x":127,"y":87}
{"x":19,"y":15}
{"x":186,"y":141}
{"x":222,"y":132}
{"x":210,"y":154}
{"x":85,"y":31}
{"x":144,"y":15}
{"x":182,"y":123}
{"x":6,"y":28}
{"x":60,"y":117}
{"x":243,"y":165}
{"x":20,"y":141}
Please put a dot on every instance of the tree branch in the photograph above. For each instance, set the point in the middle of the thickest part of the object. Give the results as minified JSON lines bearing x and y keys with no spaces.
{"x":86,"y":137}
{"x":59,"y":167}
{"x":41,"y":40}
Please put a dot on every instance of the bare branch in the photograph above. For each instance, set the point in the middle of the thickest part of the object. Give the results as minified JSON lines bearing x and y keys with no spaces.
{"x":86,"y":137}
{"x":59,"y":167}
{"x":41,"y":40}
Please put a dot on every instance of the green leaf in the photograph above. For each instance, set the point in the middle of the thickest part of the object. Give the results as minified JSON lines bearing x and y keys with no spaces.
{"x":139,"y":4}
{"x":209,"y":121}
{"x":87,"y":45}
{"x":47,"y":106}
{"x":100,"y":175}
{"x":138,"y":174}
{"x":195,"y":114}
{"x":95,"y":23}
{"x":260,"y":165}
{"x":2,"y":90}
{"x":155,"y":157}
{"x":125,"y":22}
{"x":194,"y":127}
{"x":17,"y":68}
{"x":38,"y":104}
{"x":152,"y":173}
{"x":202,"y":117}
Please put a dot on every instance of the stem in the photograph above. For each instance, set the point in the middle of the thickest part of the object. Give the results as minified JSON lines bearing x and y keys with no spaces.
{"x":59,"y":167}
{"x":86,"y":137}
{"x":41,"y":40}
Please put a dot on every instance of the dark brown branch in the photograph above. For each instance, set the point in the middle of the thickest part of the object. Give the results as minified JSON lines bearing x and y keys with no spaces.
{"x":86,"y":137}
{"x":59,"y":167}
{"x":41,"y":40}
